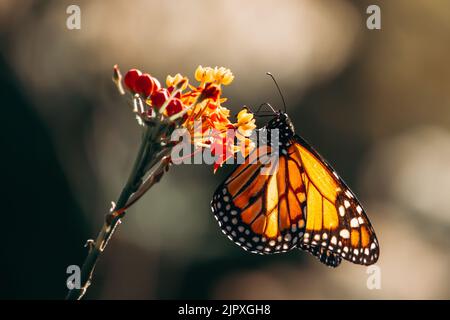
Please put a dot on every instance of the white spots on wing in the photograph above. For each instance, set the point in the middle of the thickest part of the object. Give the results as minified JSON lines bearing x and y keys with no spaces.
{"x":333,"y":240}
{"x":344,"y":233}
{"x":366,"y":251}
{"x":341,"y":211}
{"x":317,"y":237}
{"x":359,"y":209}
{"x":373,"y":245}
{"x":348,"y":194}
{"x":360,"y":220}
{"x":354,"y":223}
{"x":346,"y":204}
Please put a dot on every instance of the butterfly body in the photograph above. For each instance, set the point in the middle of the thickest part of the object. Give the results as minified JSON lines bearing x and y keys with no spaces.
{"x":296,"y":200}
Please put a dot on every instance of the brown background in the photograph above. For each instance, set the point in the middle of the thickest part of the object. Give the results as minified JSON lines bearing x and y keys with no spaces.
{"x":375,"y":103}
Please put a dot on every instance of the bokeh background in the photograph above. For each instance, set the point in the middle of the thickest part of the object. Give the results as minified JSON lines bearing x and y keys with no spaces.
{"x":376,"y":103}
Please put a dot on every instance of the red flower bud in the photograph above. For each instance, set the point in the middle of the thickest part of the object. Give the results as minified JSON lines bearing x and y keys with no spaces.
{"x":159,"y":97}
{"x":145,"y":85}
{"x":130,"y":79}
{"x":174,"y":107}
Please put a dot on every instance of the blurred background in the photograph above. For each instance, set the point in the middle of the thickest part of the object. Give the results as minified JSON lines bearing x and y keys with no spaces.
{"x":375,"y":103}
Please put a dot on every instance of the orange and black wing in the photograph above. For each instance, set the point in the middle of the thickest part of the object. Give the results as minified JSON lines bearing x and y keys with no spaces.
{"x":260,"y":206}
{"x":336,"y":223}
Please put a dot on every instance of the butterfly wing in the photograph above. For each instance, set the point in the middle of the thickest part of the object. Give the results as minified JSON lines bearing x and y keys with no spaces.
{"x":336,"y":223}
{"x":260,"y":206}
{"x":302,"y":203}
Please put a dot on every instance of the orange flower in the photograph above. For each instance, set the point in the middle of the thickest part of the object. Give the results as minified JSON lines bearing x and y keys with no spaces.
{"x":199,"y":110}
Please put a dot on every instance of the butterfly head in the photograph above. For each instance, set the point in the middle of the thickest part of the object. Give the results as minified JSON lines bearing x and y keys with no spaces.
{"x":283,"y":123}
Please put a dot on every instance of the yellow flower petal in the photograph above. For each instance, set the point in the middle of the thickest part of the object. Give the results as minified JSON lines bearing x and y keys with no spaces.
{"x":223,"y":75}
{"x":244,"y":116}
{"x":227,"y":79}
{"x":199,"y":73}
{"x":204,"y":74}
{"x":173,"y":81}
{"x":209,"y":75}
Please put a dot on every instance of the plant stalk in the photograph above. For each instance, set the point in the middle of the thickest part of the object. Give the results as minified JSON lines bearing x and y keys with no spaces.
{"x":149,"y":153}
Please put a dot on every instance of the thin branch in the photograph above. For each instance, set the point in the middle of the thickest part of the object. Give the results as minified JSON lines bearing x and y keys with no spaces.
{"x":149,"y":153}
{"x":153,"y":178}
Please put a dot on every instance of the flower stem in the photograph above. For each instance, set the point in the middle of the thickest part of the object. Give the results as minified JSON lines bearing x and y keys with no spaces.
{"x":149,"y":153}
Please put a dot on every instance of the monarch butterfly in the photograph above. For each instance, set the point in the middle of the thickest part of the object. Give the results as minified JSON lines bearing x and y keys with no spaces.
{"x":305,"y":205}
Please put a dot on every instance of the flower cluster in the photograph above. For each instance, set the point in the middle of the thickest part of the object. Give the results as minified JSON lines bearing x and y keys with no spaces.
{"x":196,"y":108}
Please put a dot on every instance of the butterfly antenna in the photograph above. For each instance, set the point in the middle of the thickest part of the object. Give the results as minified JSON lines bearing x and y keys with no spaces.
{"x":279,"y":90}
